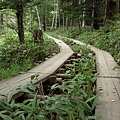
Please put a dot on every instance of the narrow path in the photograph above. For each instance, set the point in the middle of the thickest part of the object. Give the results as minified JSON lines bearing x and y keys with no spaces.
{"x":44,"y":70}
{"x":108,"y":85}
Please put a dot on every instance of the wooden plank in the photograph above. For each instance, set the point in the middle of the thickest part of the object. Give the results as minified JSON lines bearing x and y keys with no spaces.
{"x":106,"y":112}
{"x":108,"y":90}
{"x":14,"y":80}
{"x":112,"y":65}
{"x":116,"y":82}
{"x":102,"y":68}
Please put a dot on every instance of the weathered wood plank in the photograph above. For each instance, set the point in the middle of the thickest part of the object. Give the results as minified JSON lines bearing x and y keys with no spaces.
{"x":112,"y":65}
{"x":106,"y":112}
{"x":102,"y":68}
{"x":107,"y":89}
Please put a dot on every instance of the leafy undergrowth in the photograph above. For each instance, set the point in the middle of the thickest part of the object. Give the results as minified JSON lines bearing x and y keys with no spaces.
{"x":16,"y":58}
{"x":75,"y":100}
{"x":107,"y":38}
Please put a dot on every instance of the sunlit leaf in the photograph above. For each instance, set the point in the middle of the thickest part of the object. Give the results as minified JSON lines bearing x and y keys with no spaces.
{"x":10,"y":95}
{"x":34,"y":102}
{"x":31,"y":86}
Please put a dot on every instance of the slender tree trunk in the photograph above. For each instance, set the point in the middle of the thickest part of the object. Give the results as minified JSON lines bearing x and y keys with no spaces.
{"x":55,"y":15}
{"x":19,"y":15}
{"x":38,"y":34}
{"x":31,"y":19}
{"x":59,"y":20}
{"x":39,"y":21}
{"x":79,"y":25}
{"x":53,"y":20}
{"x":83,"y":16}
{"x":56,"y":11}
{"x":1,"y":21}
{"x":111,"y":9}
{"x":95,"y":15}
{"x":71,"y":22}
{"x":88,"y":12}
{"x":66,"y":22}
{"x":44,"y":18}
{"x":83,"y":21}
{"x":44,"y":23}
{"x":119,"y":6}
{"x":105,"y":15}
{"x":63,"y":20}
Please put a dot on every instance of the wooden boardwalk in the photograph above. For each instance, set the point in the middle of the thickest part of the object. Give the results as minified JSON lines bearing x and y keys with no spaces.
{"x":108,"y":79}
{"x":44,"y":70}
{"x":108,"y":85}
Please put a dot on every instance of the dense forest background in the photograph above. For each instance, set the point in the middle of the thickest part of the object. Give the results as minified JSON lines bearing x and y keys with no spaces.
{"x":22,"y":15}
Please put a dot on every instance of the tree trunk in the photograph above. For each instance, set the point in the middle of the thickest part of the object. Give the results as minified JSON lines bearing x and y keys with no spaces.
{"x":53,"y":20}
{"x":66,"y":22}
{"x":56,"y":13}
{"x":38,"y":34}
{"x":63,"y":20}
{"x":19,"y":15}
{"x":1,"y":21}
{"x":111,"y":9}
{"x":44,"y":26}
{"x":118,"y":6}
{"x":95,"y":16}
{"x":44,"y":20}
{"x":83,"y":16}
{"x":79,"y":25}
{"x":105,"y":13}
{"x":71,"y":22}
{"x":31,"y":19}
{"x":59,"y":20}
{"x":88,"y":12}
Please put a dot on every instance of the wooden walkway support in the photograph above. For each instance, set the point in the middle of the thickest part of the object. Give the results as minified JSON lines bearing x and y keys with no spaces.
{"x":44,"y":70}
{"x":108,"y":85}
